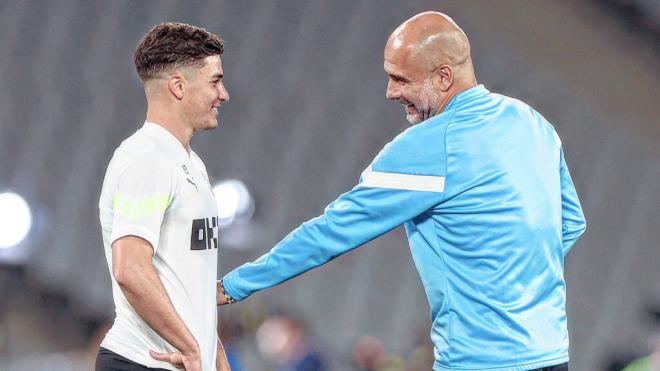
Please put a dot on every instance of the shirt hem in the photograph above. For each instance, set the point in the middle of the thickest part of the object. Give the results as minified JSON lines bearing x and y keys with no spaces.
{"x":137,"y":358}
{"x":138,"y":231}
{"x":524,"y":367}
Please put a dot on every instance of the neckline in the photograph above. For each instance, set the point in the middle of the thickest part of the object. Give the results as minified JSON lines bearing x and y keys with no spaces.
{"x":169,"y":141}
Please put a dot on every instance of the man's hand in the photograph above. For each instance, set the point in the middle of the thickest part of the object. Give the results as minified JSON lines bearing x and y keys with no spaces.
{"x":221,"y":362}
{"x":188,"y":363}
{"x":220,"y":295}
{"x":222,"y":300}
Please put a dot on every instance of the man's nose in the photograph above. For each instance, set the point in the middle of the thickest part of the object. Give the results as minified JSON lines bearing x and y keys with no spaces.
{"x":393,"y":90}
{"x":223,"y":94}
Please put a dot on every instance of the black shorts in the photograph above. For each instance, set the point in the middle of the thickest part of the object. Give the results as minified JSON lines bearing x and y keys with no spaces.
{"x":111,"y":361}
{"x":562,"y":367}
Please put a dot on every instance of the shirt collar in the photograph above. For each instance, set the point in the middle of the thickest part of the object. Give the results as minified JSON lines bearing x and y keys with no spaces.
{"x":167,"y":140}
{"x":466,"y":95}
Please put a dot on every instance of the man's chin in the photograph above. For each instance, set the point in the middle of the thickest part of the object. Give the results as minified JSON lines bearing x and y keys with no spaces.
{"x":413,"y":119}
{"x":210,"y":125}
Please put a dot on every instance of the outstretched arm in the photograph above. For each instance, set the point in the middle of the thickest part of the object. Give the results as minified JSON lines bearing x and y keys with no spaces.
{"x":406,"y":179}
{"x":380,"y":203}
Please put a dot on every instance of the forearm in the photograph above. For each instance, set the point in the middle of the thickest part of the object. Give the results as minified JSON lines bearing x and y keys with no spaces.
{"x":309,"y":246}
{"x":352,"y":220}
{"x":146,"y":294}
{"x":221,"y":362}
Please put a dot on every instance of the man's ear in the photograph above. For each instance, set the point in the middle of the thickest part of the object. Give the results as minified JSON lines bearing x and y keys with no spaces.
{"x":176,"y":85}
{"x":443,"y":77}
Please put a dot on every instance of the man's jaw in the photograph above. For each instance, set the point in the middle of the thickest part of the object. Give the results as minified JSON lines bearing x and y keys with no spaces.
{"x":211,"y":122}
{"x":413,"y":114}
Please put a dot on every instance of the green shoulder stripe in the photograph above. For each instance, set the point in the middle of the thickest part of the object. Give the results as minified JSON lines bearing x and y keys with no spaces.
{"x":134,"y":209}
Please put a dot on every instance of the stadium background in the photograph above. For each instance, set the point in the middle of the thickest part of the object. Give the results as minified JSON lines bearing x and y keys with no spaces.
{"x":307,"y":114}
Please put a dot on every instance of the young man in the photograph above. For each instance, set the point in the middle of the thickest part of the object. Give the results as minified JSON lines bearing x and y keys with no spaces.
{"x":159,"y":216}
{"x":482,"y":187}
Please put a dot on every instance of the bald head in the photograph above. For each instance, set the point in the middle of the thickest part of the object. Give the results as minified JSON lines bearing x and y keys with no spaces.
{"x":430,"y":39}
{"x":429,"y":49}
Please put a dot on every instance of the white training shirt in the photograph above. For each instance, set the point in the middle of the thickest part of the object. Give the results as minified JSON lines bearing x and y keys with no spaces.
{"x":155,"y":190}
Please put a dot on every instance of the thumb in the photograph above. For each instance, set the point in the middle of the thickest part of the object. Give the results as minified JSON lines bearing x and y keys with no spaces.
{"x":165,"y":357}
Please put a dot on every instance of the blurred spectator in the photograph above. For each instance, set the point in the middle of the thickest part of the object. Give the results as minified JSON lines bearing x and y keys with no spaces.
{"x":649,"y":363}
{"x":421,"y":357}
{"x":652,"y":361}
{"x":284,"y":340}
{"x":231,"y":331}
{"x":369,"y":355}
{"x":391,"y":363}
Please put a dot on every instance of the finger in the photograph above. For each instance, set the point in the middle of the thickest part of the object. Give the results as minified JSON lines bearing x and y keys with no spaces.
{"x":165,"y":357}
{"x":173,"y":358}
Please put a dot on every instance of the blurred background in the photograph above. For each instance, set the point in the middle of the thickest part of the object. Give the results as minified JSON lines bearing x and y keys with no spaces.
{"x":307,"y":114}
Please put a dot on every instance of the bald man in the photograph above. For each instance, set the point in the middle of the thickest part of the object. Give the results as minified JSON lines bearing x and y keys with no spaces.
{"x":488,"y":205}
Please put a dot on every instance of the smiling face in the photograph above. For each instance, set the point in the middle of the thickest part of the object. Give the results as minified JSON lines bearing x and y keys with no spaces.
{"x":410,"y":83}
{"x":205,"y":93}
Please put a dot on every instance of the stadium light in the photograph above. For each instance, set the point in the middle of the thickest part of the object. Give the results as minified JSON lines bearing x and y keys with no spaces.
{"x":15,"y":219}
{"x":235,"y":204}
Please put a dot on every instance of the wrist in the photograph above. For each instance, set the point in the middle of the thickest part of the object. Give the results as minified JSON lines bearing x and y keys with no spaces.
{"x":228,"y":298}
{"x":193,"y":354}
{"x":192,"y":350}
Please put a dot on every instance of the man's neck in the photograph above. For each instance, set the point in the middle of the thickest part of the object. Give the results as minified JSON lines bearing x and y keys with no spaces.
{"x":458,"y":89}
{"x":182,"y":133}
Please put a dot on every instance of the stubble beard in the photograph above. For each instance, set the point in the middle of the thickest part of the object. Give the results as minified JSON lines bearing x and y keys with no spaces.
{"x":207,"y":123}
{"x":427,"y":109}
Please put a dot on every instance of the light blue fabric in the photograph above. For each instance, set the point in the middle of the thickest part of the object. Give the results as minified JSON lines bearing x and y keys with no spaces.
{"x":489,"y":245}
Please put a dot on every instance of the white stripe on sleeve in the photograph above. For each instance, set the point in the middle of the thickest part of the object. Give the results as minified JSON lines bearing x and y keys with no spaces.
{"x":424,"y":183}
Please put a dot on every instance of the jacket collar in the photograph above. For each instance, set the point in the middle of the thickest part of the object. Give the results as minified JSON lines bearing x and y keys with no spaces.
{"x":466,"y":96}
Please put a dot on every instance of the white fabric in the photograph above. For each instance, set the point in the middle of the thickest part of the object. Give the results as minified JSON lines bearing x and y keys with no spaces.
{"x":155,"y":190}
{"x":424,"y":183}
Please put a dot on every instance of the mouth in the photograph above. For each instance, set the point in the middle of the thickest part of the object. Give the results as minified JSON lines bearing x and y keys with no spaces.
{"x":409,"y":107}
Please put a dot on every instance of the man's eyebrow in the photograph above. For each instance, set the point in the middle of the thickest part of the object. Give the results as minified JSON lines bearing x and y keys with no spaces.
{"x":216,"y":76}
{"x":397,"y":76}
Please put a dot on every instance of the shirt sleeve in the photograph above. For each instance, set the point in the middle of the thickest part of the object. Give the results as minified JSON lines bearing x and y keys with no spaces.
{"x":400,"y":184}
{"x":143,"y":192}
{"x":573,"y":223}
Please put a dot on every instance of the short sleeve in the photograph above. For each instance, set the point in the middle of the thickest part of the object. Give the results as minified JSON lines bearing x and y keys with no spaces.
{"x":143,"y":192}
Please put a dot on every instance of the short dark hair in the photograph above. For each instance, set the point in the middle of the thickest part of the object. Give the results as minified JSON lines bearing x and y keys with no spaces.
{"x":174,"y":45}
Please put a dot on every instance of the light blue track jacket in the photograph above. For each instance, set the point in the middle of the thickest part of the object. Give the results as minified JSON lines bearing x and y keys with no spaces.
{"x":490,"y":211}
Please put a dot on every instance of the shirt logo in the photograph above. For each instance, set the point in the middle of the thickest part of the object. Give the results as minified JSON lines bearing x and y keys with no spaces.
{"x":193,"y":183}
{"x":189,"y":176}
{"x":204,"y":235}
